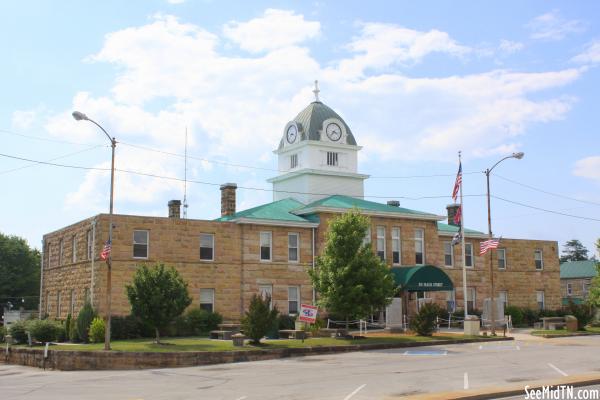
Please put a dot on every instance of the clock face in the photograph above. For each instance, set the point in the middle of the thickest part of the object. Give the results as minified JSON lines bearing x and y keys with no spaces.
{"x":292,"y":133}
{"x":334,"y":132}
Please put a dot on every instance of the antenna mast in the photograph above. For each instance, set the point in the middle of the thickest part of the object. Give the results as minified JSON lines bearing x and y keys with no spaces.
{"x":185,"y":205}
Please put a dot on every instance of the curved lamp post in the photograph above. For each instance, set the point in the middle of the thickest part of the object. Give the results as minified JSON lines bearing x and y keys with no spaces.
{"x":79,"y":116}
{"x":518,"y":156}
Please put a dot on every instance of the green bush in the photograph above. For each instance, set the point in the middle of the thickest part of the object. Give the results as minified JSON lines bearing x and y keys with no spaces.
{"x":44,"y":330}
{"x":73,"y":333}
{"x":84,"y":320}
{"x":286,"y":322}
{"x":124,"y":327}
{"x":259,"y":318}
{"x":424,"y":322}
{"x":18,"y":330}
{"x":516,"y":314}
{"x":67,"y":326}
{"x":583,"y":312}
{"x":200,"y":322}
{"x":97,"y":329}
{"x":530,"y":316}
{"x":2,"y":333}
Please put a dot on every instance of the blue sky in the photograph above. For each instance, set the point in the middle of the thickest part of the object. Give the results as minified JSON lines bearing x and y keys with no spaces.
{"x":416,"y":82}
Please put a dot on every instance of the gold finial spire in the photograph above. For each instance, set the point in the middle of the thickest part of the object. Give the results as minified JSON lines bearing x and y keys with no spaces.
{"x":316,"y":91}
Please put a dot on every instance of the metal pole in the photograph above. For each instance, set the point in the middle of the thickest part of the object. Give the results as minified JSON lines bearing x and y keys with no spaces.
{"x":462,"y":234}
{"x":113,"y":144}
{"x":492,"y":303}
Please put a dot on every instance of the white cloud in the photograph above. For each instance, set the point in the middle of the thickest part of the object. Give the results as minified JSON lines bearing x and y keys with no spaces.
{"x":588,"y":167}
{"x":174,"y":76}
{"x":591,"y":55}
{"x":383,"y":45}
{"x":275,"y":29}
{"x":510,"y":47}
{"x":23,"y":120}
{"x":552,"y":26}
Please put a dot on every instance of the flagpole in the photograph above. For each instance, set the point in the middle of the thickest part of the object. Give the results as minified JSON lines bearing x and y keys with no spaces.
{"x":462,"y":241}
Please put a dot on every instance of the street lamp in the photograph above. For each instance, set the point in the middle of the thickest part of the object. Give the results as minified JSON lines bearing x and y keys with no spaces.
{"x":79,"y":116}
{"x":518,"y":156}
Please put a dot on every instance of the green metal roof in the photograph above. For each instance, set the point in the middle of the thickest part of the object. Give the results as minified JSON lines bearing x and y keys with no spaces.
{"x":277,"y":210}
{"x":347,"y":202}
{"x":578,"y":269}
{"x":310,"y":121}
{"x":447,"y":228}
{"x":422,"y":278}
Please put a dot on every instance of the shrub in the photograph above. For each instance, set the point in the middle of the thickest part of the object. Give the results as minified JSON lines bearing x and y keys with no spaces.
{"x":124,"y":327}
{"x":44,"y":330}
{"x":73,"y":333}
{"x":286,"y":322}
{"x":84,"y":319}
{"x":259,"y":318}
{"x":516,"y":315}
{"x":18,"y":330}
{"x":67,"y":327}
{"x":2,"y":333}
{"x":583,"y":312}
{"x":97,"y":329}
{"x":530,"y":316}
{"x":423,"y":323}
{"x":200,"y":322}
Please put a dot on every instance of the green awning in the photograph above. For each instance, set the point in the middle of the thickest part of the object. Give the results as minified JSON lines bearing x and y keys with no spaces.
{"x":575,"y":300}
{"x":422,"y":278}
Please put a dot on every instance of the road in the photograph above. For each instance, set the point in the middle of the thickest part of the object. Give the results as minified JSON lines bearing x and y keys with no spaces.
{"x":358,"y":376}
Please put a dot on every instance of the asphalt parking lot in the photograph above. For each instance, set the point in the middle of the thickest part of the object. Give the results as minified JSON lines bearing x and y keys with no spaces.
{"x":380,"y":374}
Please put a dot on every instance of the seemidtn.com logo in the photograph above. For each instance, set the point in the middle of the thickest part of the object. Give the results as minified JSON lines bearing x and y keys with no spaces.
{"x":561,"y":392}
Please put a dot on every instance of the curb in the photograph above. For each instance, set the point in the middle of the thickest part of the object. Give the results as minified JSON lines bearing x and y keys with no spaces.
{"x":70,"y":360}
{"x":495,"y":392}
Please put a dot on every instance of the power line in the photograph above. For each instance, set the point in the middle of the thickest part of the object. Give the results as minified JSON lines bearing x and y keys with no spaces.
{"x":45,"y":139}
{"x":547,"y":192}
{"x":546,"y":210}
{"x":52,"y":159}
{"x":150,"y":175}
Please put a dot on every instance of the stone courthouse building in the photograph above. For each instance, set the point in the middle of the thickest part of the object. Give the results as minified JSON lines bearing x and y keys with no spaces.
{"x":270,"y":248}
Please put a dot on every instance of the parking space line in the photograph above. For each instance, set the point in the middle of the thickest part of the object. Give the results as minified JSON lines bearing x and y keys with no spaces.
{"x":358,"y":389}
{"x":557,"y":370}
{"x":466,"y":381}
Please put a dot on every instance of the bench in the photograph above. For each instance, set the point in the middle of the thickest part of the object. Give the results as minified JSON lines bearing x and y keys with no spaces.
{"x":221,"y":335}
{"x":235,"y":328}
{"x":552,"y":323}
{"x":292,"y":334}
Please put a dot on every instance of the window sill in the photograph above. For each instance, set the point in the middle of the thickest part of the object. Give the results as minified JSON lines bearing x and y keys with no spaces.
{"x":207,"y":261}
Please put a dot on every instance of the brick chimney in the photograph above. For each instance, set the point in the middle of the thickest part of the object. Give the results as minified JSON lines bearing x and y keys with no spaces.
{"x":393,"y":203}
{"x":174,"y":209}
{"x":228,"y":199}
{"x":452,"y":210}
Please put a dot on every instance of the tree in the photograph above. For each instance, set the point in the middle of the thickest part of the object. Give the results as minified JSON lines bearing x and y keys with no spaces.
{"x":19,"y":272}
{"x":351,"y":280}
{"x":158,"y":295}
{"x":573,"y":250}
{"x":259,"y":318}
{"x":594,"y":293}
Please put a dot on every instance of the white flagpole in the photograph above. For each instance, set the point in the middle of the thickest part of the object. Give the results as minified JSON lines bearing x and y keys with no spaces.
{"x":462,"y":239}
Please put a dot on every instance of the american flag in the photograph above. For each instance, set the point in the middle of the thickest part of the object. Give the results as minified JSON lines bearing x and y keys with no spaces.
{"x":458,"y":182}
{"x":458,"y":216}
{"x":106,"y":250}
{"x":488,"y":244}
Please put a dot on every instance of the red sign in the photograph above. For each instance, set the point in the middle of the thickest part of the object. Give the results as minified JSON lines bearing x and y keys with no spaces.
{"x":308,"y":313}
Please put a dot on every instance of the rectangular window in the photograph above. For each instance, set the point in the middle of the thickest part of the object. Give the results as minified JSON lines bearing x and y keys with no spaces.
{"x":469,"y":255}
{"x":266,"y":291}
{"x":471,"y":299}
{"x":293,"y":299}
{"x":332,"y":158}
{"x":58,"y":304}
{"x":207,"y":244}
{"x":367,"y":238}
{"x":539,"y":261}
{"x":569,"y":289}
{"x":61,"y":252}
{"x":539,"y":297}
{"x":448,"y":254}
{"x":49,"y":255}
{"x":419,"y":246}
{"x":266,"y":242}
{"x":90,"y":244}
{"x":293,"y":161}
{"x":381,"y":242}
{"x":396,"y":246}
{"x":503,"y":296}
{"x":74,"y":247}
{"x":72,"y":303}
{"x":207,"y":299}
{"x":140,"y":244}
{"x":501,"y":258}
{"x":293,"y":246}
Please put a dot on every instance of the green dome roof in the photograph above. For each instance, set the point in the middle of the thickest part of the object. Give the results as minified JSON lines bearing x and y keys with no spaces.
{"x":310,"y":121}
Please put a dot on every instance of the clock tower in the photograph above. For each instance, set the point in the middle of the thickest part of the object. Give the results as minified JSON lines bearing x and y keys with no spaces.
{"x":317,"y":156}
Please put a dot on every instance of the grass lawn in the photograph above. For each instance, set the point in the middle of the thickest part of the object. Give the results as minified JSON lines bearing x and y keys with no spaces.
{"x":204,"y":344}
{"x":563,"y":332}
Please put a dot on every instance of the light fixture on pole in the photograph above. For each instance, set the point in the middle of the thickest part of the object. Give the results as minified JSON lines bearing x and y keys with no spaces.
{"x":518,"y":156}
{"x":79,"y":116}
